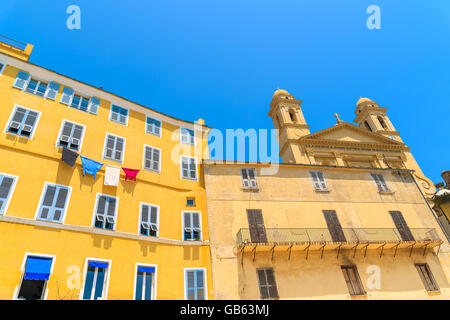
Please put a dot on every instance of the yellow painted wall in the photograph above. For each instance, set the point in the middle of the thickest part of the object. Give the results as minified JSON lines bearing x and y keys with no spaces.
{"x":288,"y":200}
{"x":38,"y":160}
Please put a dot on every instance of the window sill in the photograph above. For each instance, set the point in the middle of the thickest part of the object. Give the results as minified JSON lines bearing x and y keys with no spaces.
{"x":322,"y":191}
{"x":256,"y":189}
{"x":434,"y":293}
{"x":18,"y":135}
{"x":154,"y":171}
{"x":359,"y":296}
{"x":153,"y":134}
{"x":386,"y":192}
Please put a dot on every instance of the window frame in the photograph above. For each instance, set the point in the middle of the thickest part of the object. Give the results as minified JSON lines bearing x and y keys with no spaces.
{"x":3,"y":67}
{"x":154,"y":280}
{"x":105,"y":281}
{"x":94,"y":214}
{"x":316,"y":172}
{"x":22,"y":270}
{"x":11,"y":116}
{"x":117,"y":121}
{"x":61,"y":131}
{"x":382,"y":182}
{"x":123,"y":151}
{"x":39,"y":81}
{"x":250,"y":187}
{"x":144,"y":159}
{"x":140,"y":218}
{"x":41,"y":199}
{"x":204,"y":282}
{"x":146,"y":126}
{"x":430,"y":276}
{"x":268,"y":286}
{"x":344,"y":268}
{"x":200,"y":224}
{"x":11,"y":191}
{"x":181,"y":168}
{"x":181,"y":136}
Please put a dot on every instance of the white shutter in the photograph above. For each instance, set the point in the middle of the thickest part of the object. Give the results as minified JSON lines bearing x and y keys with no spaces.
{"x":323,"y":185}
{"x":94,"y":103}
{"x":316,"y":181}
{"x":67,"y":95}
{"x":21,"y":80}
{"x":52,"y":90}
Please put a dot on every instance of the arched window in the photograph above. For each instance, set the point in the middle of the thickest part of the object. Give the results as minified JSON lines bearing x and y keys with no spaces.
{"x":292,"y":116}
{"x":383,"y":124}
{"x":366,"y":124}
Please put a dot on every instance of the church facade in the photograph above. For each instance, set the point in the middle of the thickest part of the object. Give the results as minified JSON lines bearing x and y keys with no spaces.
{"x":346,"y":215}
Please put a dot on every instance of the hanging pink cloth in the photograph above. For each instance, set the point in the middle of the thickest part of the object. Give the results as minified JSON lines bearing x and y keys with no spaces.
{"x":130,"y":173}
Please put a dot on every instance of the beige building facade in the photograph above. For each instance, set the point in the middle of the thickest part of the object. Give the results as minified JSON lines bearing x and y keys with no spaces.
{"x":345,"y":216}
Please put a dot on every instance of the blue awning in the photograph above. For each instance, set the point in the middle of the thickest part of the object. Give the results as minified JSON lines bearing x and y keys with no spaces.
{"x":97,"y":264}
{"x":38,"y":268}
{"x":146,"y":269}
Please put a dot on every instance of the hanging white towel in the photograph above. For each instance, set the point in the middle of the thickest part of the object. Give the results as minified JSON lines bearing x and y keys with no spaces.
{"x":112,"y":175}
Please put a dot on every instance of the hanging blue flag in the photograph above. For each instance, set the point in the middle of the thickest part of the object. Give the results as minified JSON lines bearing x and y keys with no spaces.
{"x":90,"y":166}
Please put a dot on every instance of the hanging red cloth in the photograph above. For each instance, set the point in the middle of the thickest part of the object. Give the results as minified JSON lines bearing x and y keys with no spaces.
{"x":130,"y":173}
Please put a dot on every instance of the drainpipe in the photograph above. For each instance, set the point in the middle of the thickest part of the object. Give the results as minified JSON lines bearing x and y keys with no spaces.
{"x":431,"y":209}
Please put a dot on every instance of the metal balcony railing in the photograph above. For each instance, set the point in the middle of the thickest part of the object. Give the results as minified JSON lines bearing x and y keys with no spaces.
{"x":13,"y":43}
{"x":288,"y":236}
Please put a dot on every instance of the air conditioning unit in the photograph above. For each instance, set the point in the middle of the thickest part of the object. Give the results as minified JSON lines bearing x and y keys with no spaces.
{"x":100,"y":217}
{"x":153,"y":227}
{"x":110,"y":219}
{"x":64,"y":139}
{"x":75,"y":142}
{"x":14,"y":125}
{"x":145,"y":225}
{"x":188,"y":229}
{"x":27,"y":128}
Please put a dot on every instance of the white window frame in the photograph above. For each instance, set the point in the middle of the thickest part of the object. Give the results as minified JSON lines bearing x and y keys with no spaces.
{"x":204,"y":281}
{"x":154,"y":282}
{"x":143,"y":159}
{"x":115,"y":121}
{"x":105,"y":283}
{"x":140,"y":218}
{"x":160,"y":128}
{"x":181,"y":168}
{"x":250,"y":180}
{"x":81,"y":96}
{"x":3,"y":68}
{"x":116,"y":211}
{"x":200,"y":223}
{"x":39,"y":80}
{"x":69,"y":193}
{"x":22,"y":270}
{"x":123,"y":151}
{"x":181,"y":136}
{"x":321,"y":188}
{"x":11,"y":116}
{"x":11,"y":191}
{"x":61,"y":130}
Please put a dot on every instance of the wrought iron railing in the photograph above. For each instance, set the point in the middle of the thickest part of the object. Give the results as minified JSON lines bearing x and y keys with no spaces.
{"x":13,"y":43}
{"x":324,"y":235}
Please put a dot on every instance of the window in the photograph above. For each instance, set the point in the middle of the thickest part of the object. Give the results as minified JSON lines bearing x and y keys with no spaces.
{"x":379,"y":180}
{"x":318,"y":180}
{"x":23,"y":122}
{"x":267,"y":285}
{"x":366,"y":124}
{"x":256,"y":226}
{"x":119,"y":114}
{"x":402,"y":227}
{"x":195,"y":284}
{"x":114,"y":148}
{"x":334,"y":226}
{"x":105,"y":213}
{"x":7,"y":184}
{"x":191,"y":226}
{"x":149,"y":220}
{"x":55,"y":199}
{"x":381,"y":121}
{"x":71,"y":135}
{"x":95,"y":281}
{"x":153,"y":126}
{"x":152,"y":158}
{"x":34,"y":281}
{"x":187,"y":136}
{"x":144,"y":283}
{"x":188,"y":168}
{"x":353,"y":281}
{"x":426,"y":276}
{"x":36,"y":87}
{"x":190,"y":202}
{"x":249,"y":178}
{"x":2,"y":67}
{"x":292,"y":116}
{"x":75,"y":100}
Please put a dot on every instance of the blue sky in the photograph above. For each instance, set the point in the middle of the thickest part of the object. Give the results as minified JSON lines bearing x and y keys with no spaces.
{"x":221,"y":60}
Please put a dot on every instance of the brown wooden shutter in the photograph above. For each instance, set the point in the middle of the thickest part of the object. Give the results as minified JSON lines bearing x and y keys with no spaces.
{"x":401,"y":226}
{"x":334,"y":226}
{"x":256,"y":226}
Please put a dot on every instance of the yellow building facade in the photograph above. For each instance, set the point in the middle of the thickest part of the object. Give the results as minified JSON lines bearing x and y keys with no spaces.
{"x":345,"y":216}
{"x":68,"y":235}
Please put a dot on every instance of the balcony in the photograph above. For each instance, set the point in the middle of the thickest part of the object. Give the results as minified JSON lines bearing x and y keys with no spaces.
{"x":288,"y":239}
